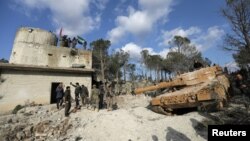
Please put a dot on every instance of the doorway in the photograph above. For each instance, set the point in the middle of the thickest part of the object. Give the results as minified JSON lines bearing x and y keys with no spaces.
{"x":53,"y":92}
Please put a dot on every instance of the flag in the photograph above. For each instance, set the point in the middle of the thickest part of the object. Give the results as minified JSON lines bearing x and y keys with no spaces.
{"x":60,"y":34}
{"x":81,"y":40}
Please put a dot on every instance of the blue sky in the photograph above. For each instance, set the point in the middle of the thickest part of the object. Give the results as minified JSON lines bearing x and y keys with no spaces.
{"x":130,"y":24}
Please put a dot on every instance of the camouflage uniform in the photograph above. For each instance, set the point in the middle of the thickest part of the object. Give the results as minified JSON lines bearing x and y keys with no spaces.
{"x":67,"y":99}
{"x":123,"y":89}
{"x":101,"y":96}
{"x":109,"y":98}
{"x":78,"y":90}
{"x":117,"y":89}
{"x":84,"y":95}
{"x":95,"y":97}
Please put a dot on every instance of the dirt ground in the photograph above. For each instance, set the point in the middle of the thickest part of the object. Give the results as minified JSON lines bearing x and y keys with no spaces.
{"x":131,"y":121}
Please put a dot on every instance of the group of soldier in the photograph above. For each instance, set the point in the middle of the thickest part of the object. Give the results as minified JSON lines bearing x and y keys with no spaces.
{"x":102,"y":96}
{"x":67,"y":42}
{"x":99,"y":97}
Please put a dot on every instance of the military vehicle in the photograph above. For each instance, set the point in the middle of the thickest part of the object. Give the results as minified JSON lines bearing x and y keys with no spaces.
{"x":205,"y":89}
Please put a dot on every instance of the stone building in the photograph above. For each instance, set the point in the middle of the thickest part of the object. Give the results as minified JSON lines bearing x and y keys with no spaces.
{"x":37,"y":66}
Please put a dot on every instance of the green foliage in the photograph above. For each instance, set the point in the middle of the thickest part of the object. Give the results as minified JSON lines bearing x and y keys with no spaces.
{"x":178,"y":62}
{"x":180,"y":59}
{"x":131,"y":71}
{"x":179,"y":42}
{"x":100,"y":48}
{"x":117,"y":60}
{"x":17,"y":108}
{"x":182,"y":55}
{"x":100,"y":56}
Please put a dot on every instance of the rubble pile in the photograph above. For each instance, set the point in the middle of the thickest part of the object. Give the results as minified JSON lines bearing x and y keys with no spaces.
{"x":34,"y":123}
{"x":236,"y":112}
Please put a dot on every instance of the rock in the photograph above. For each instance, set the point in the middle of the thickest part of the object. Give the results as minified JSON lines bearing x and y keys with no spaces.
{"x":20,"y":135}
{"x":10,"y":120}
{"x":29,"y":139}
{"x":19,"y":127}
{"x":28,"y":131}
{"x":42,"y":126}
{"x":28,"y":114}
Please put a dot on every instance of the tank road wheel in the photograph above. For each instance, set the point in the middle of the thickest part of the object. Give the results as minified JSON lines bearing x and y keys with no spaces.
{"x":160,"y":110}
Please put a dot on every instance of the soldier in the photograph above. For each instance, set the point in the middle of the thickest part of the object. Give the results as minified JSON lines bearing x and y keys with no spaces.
{"x":59,"y":95}
{"x":84,"y":95}
{"x":67,"y":99}
{"x":197,"y":65}
{"x":123,"y":88}
{"x":77,"y":93}
{"x":95,"y":98}
{"x":117,"y":89}
{"x":74,"y":42}
{"x":101,"y":95}
{"x":240,"y":84}
{"x":69,"y":42}
{"x":109,"y":98}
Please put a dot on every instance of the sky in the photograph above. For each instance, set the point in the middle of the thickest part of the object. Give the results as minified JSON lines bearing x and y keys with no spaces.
{"x":131,"y":25}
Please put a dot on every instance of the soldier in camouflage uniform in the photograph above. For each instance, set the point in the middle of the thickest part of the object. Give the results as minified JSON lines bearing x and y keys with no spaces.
{"x":123,"y":90}
{"x":78,"y":90}
{"x":84,"y":95}
{"x":101,"y":95}
{"x":117,"y":89}
{"x":95,"y":98}
{"x":67,"y":99}
{"x":109,"y":98}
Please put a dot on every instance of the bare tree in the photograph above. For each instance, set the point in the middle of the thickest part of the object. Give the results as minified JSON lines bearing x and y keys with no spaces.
{"x":237,"y":12}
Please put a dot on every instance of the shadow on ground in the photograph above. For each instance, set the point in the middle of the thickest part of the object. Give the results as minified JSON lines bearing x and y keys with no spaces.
{"x":174,"y":135}
{"x":199,"y":128}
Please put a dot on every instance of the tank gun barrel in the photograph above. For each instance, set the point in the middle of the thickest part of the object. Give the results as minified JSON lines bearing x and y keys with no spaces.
{"x":176,"y":82}
{"x":188,"y":79}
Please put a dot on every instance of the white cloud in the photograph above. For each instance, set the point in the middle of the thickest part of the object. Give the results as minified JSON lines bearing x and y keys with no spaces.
{"x":209,"y":39}
{"x":74,"y":15}
{"x":164,"y":52}
{"x":134,"y":51}
{"x":203,"y":40}
{"x":100,"y":4}
{"x":232,"y":66}
{"x":169,"y":35}
{"x":140,"y":22}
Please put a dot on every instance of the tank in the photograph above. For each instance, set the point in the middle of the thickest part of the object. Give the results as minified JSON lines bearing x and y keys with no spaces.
{"x":205,"y":89}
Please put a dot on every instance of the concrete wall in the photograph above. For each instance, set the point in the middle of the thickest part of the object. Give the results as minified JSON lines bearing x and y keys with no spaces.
{"x":20,"y":86}
{"x":38,"y":48}
{"x":35,"y":36}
